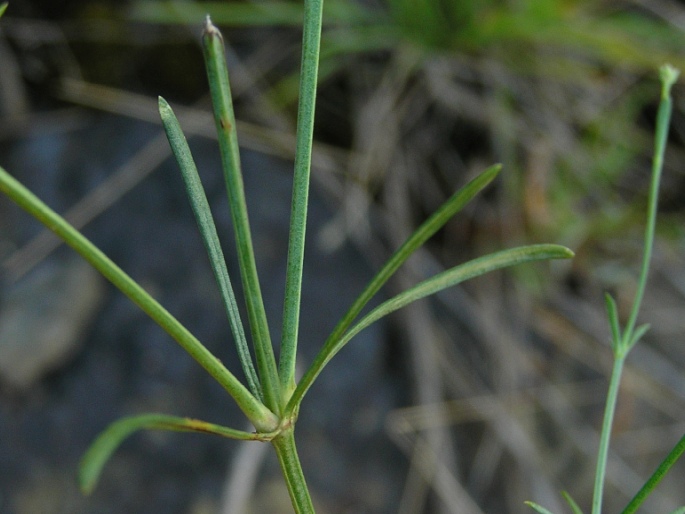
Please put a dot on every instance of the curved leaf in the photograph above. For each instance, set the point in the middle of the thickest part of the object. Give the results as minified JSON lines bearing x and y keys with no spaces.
{"x":256,"y":412}
{"x":108,"y":441}
{"x":431,"y":286}
{"x":427,"y":229}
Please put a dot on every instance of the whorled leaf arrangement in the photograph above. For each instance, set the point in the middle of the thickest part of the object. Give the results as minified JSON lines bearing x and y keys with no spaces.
{"x":271,"y":397}
{"x":623,"y":341}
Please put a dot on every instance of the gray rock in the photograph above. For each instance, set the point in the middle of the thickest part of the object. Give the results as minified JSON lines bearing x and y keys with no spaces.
{"x":42,"y":318}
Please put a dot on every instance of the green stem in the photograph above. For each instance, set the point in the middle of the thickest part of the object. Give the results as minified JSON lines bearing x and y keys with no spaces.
{"x":217,"y":73}
{"x":263,"y":419}
{"x":311,"y":42}
{"x":668,"y":77}
{"x":284,"y":444}
{"x":603,"y":453}
{"x":656,"y":477}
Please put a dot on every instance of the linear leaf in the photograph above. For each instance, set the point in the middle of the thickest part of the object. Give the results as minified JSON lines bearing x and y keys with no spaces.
{"x":572,"y":503}
{"x":108,"y":441}
{"x":448,"y":278}
{"x":311,"y":42}
{"x":220,"y":89}
{"x":451,"y":207}
{"x":205,"y":222}
{"x":656,"y":477}
{"x":263,"y":419}
{"x":612,"y":315}
{"x":538,"y":508}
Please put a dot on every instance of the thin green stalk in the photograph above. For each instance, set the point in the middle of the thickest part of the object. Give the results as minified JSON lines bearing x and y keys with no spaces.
{"x":656,"y":477}
{"x":205,"y":222}
{"x":311,"y":42}
{"x":284,"y":444}
{"x":623,"y":343}
{"x":668,"y":77}
{"x":263,"y":419}
{"x":220,"y":89}
{"x":603,"y":452}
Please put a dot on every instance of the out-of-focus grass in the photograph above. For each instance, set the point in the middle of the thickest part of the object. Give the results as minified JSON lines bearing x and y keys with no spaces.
{"x":555,"y":81}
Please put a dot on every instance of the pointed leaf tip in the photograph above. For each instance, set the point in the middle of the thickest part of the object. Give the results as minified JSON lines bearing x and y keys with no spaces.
{"x":572,"y":503}
{"x":537,"y":508}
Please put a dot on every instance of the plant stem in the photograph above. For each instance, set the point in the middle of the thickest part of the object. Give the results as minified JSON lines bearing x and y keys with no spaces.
{"x":311,"y":42}
{"x":220,"y":89}
{"x":660,"y":139}
{"x":603,"y":452}
{"x":284,"y":444}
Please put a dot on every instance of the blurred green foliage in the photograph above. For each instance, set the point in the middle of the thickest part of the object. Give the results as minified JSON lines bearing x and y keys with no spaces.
{"x":563,"y":74}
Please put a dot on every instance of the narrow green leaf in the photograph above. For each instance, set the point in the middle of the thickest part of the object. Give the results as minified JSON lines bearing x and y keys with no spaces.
{"x":572,"y":503}
{"x":451,"y":207}
{"x":612,"y":314}
{"x":311,"y":42}
{"x":205,"y":222}
{"x":538,"y":508}
{"x":263,"y":419}
{"x":108,"y":441}
{"x":681,"y":510}
{"x":656,"y":477}
{"x":428,"y":287}
{"x":220,"y":89}
{"x":637,"y":335}
{"x":3,"y":8}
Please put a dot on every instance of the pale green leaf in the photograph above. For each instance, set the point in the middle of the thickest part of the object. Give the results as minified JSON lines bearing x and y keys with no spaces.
{"x":108,"y":441}
{"x":538,"y":508}
{"x":428,"y":287}
{"x":572,"y":503}
{"x":205,"y":222}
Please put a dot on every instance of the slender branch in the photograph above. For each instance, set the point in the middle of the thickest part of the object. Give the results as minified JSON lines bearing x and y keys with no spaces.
{"x":668,"y":76}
